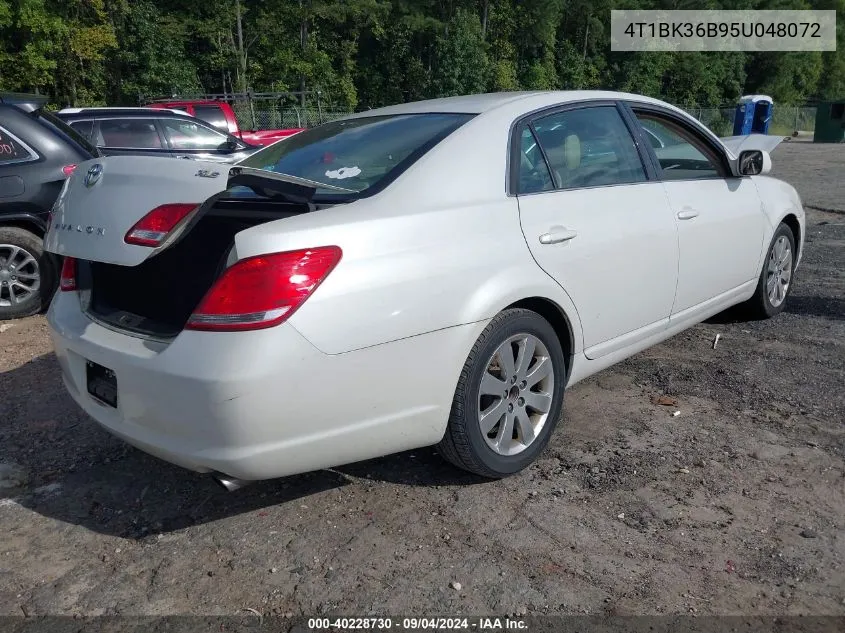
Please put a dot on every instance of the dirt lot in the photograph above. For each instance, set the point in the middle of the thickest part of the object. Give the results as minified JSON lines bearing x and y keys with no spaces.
{"x":736,"y":506}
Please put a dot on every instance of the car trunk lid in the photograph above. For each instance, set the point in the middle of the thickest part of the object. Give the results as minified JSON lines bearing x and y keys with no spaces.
{"x":105,"y":197}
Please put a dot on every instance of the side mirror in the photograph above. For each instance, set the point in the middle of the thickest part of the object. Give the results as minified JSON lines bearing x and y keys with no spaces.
{"x":229,"y":146}
{"x":753,"y":162}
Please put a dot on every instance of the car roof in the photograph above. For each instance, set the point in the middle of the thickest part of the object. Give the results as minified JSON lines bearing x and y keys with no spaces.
{"x":122,"y":111}
{"x":193,"y":102}
{"x":26,"y":102}
{"x":480,"y":103}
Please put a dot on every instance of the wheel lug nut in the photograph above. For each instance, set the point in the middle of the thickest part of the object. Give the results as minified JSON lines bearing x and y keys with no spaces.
{"x":521,"y":402}
{"x":510,"y":408}
{"x":522,"y":384}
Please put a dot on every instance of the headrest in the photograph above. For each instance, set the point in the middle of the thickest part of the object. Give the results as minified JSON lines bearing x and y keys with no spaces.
{"x":572,"y":151}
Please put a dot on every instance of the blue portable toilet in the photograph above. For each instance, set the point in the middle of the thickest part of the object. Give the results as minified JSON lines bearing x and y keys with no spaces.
{"x":753,"y":115}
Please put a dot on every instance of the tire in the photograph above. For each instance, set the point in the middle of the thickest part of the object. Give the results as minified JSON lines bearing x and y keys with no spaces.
{"x":777,"y":273}
{"x":26,"y":272}
{"x":495,"y":453}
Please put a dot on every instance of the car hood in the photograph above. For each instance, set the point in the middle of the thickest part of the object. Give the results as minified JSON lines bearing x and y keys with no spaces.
{"x":764,"y":142}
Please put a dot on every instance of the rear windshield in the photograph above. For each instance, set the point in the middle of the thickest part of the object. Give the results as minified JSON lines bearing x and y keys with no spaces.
{"x":213,"y":115}
{"x":357,"y":154}
{"x":63,"y":129}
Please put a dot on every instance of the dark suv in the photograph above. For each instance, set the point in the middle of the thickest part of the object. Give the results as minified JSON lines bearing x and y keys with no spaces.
{"x":154,"y":132}
{"x":37,"y":154}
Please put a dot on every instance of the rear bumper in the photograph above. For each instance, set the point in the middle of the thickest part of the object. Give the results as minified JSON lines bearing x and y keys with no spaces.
{"x":262,"y":404}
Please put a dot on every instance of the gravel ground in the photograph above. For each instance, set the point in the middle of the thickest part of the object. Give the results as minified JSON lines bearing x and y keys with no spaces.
{"x":736,"y":506}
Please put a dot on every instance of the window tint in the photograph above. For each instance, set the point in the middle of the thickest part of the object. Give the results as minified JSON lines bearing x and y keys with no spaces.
{"x":12,"y":150}
{"x":213,"y":115}
{"x":85,"y":128}
{"x":128,"y":133}
{"x":680,"y":154}
{"x":356,"y":154}
{"x":184,"y":134}
{"x":533,"y":171}
{"x":589,"y":147}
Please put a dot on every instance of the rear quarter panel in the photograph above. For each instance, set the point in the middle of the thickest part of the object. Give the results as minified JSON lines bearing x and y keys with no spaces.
{"x":440,"y":247}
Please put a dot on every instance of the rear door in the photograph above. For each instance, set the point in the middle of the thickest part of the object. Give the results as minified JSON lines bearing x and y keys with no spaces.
{"x":719,"y":218}
{"x":596,"y":221}
{"x":129,"y":136}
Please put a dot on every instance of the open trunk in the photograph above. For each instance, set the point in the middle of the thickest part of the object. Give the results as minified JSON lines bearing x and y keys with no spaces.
{"x":153,"y":290}
{"x":156,"y":297}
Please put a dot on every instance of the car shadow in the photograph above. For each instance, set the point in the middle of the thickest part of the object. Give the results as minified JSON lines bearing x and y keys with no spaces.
{"x":76,"y":472}
{"x":734,"y":314}
{"x":826,"y":307}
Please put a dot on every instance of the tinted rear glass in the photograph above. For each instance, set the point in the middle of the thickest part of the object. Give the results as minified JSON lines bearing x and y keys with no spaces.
{"x":85,"y":128}
{"x":357,"y":154}
{"x":213,"y":115}
{"x":12,"y":150}
{"x":64,"y":130}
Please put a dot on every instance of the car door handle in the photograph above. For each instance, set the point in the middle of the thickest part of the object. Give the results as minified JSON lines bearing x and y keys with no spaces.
{"x":557,"y":235}
{"x":687,"y":214}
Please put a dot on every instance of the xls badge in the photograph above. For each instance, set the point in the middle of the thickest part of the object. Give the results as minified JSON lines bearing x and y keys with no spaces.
{"x":93,"y":175}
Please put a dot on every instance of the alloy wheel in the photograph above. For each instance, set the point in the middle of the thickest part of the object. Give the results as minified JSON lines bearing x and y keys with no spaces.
{"x":779,"y":271}
{"x":20,"y":276}
{"x":515,"y":394}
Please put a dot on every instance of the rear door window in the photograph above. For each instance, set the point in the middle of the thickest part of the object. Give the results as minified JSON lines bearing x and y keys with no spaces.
{"x":14,"y":150}
{"x":589,"y":147}
{"x":213,"y":115}
{"x":134,"y":133}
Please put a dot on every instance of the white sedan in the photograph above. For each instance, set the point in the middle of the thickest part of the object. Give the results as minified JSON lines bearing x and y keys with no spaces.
{"x":429,"y":273}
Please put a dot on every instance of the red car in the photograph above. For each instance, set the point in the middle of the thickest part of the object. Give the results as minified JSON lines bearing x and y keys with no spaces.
{"x":221,"y":115}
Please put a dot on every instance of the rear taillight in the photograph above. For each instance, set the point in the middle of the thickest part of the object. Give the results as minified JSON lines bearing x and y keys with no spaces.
{"x":259,"y":292}
{"x":67,"y":281}
{"x":67,"y":170}
{"x":154,"y":227}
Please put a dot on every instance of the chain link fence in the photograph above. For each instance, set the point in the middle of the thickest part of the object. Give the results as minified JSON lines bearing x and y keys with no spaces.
{"x":270,"y":115}
{"x":266,"y":115}
{"x":786,"y":120}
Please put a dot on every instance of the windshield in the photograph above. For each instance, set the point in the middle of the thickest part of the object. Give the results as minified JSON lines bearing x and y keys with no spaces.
{"x":357,"y":154}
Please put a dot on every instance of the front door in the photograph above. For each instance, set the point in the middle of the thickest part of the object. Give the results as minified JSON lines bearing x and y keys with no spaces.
{"x":721,"y":225}
{"x":596,"y":224}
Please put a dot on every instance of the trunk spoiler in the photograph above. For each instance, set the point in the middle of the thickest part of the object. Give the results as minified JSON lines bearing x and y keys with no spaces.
{"x":764,"y":142}
{"x":264,"y":183}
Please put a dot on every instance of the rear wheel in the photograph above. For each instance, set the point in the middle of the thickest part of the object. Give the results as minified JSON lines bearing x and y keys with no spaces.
{"x":509,"y":396}
{"x":27,"y":274}
{"x":775,"y":281}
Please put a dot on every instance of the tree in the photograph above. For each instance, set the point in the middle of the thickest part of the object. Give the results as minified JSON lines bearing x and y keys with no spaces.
{"x":460,"y":64}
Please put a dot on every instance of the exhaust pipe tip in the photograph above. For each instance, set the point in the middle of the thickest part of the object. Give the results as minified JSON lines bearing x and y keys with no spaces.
{"x":230,"y":484}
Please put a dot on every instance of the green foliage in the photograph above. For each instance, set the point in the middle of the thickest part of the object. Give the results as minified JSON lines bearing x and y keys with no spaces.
{"x":366,"y":53}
